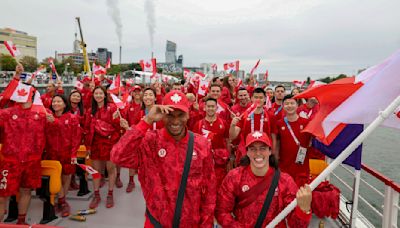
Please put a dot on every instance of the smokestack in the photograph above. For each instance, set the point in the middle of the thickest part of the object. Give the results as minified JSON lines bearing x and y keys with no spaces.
{"x":120,"y":51}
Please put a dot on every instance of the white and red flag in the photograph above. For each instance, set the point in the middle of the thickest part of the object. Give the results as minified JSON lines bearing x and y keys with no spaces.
{"x":214,"y":67}
{"x":12,"y":48}
{"x":108,"y":64}
{"x":78,"y":85}
{"x":117,"y":101}
{"x":52,"y":66}
{"x":37,"y":105}
{"x":255,"y":67}
{"x":299,"y":83}
{"x":266,"y":75}
{"x":149,"y":65}
{"x":239,"y":84}
{"x":315,"y":83}
{"x":98,"y":69}
{"x":90,"y":170}
{"x":251,"y":108}
{"x":18,"y":92}
{"x":232,"y":66}
{"x":40,"y":69}
{"x":268,"y":103}
{"x":203,"y":87}
{"x":116,"y":84}
{"x":186,"y":73}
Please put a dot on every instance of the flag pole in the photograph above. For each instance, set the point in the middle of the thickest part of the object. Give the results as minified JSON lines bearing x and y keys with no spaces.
{"x":383,"y":115}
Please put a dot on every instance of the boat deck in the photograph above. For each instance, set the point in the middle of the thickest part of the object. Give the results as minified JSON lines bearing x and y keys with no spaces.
{"x":128,"y":210}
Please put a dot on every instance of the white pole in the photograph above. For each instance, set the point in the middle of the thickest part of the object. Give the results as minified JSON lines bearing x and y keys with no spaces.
{"x":339,"y":159}
{"x":356,"y":192}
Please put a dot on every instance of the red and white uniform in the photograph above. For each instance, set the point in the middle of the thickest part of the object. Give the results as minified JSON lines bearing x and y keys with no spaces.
{"x":87,"y":95}
{"x":160,"y":160}
{"x":24,"y":141}
{"x":226,"y":96}
{"x":140,"y":115}
{"x":63,"y":137}
{"x":47,"y":97}
{"x":288,"y":149}
{"x":277,"y":111}
{"x":130,"y":112}
{"x":102,"y":132}
{"x":216,"y":133}
{"x":239,"y":110}
{"x":306,"y":112}
{"x":242,"y":179}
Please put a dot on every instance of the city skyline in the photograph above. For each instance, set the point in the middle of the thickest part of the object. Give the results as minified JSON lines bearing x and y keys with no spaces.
{"x":293,"y":39}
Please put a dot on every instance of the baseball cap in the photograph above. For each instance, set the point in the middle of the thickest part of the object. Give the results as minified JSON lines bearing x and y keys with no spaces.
{"x":177,"y":100}
{"x":257,"y":136}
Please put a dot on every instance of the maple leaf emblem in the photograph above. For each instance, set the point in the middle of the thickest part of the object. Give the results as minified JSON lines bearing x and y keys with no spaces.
{"x":231,"y":65}
{"x":257,"y":134}
{"x":14,"y":47}
{"x":22,"y":93}
{"x":398,"y":114}
{"x":203,"y":87}
{"x":148,"y":65}
{"x":176,"y":98}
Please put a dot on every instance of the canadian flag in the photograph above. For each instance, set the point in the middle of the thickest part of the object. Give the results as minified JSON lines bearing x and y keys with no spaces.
{"x":90,"y":170}
{"x":78,"y":85}
{"x":266,"y":75}
{"x":52,"y":66}
{"x":255,"y":67}
{"x":97,"y":69}
{"x":214,"y":67}
{"x":315,"y":83}
{"x":186,"y":73}
{"x":12,"y":48}
{"x":251,"y":108}
{"x":40,"y":69}
{"x":268,"y":103}
{"x":18,"y":92}
{"x":37,"y":105}
{"x":148,"y":65}
{"x":116,"y":84}
{"x":203,"y":87}
{"x":299,"y":83}
{"x":196,"y":78}
{"x":232,"y":66}
{"x":108,"y":64}
{"x":117,"y":101}
{"x":239,"y":84}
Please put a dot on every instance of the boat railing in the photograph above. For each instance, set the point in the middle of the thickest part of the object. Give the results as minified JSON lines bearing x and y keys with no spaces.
{"x":389,"y":196}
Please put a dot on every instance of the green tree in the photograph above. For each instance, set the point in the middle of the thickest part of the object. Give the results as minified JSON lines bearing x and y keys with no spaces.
{"x":30,"y":63}
{"x":7,"y":62}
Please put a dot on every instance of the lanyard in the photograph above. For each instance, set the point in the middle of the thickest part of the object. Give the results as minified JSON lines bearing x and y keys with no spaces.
{"x":261,"y":122}
{"x":291,"y":131}
{"x":279,"y":109}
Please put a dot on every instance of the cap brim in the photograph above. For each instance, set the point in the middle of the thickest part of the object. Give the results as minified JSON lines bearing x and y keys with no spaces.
{"x":257,"y":140}
{"x":181,"y":107}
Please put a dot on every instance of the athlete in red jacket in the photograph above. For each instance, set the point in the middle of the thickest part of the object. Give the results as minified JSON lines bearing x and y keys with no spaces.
{"x":63,"y":137}
{"x":244,"y":190}
{"x":160,"y":156}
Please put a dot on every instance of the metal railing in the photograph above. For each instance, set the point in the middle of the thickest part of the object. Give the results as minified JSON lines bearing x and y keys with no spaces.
{"x":388,"y":211}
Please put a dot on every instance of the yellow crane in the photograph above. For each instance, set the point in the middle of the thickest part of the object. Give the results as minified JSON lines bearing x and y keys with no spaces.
{"x":86,"y":65}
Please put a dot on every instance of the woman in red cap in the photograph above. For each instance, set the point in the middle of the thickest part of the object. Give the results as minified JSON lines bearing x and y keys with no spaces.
{"x":243,"y":197}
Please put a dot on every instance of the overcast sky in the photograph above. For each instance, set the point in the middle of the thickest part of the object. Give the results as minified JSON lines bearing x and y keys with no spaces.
{"x":293,"y":38}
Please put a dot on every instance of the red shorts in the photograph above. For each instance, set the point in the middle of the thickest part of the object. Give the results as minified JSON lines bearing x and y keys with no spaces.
{"x":15,"y":175}
{"x":100,"y":151}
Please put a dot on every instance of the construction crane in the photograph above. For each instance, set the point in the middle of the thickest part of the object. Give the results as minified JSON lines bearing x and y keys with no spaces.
{"x":86,"y":65}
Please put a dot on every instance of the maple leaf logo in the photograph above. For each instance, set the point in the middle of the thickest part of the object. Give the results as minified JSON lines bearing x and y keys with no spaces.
{"x":204,"y":87}
{"x":14,"y":47}
{"x":148,"y":65}
{"x":231,"y":65}
{"x":176,"y":98}
{"x":22,"y":93}
{"x":257,"y":134}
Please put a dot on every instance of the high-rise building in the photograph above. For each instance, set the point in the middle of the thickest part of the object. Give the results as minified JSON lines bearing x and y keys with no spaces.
{"x":25,"y":43}
{"x":103,"y":55}
{"x":170,"y":52}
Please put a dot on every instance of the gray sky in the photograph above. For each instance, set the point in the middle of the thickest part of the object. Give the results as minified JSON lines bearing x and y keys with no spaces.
{"x":294,"y":39}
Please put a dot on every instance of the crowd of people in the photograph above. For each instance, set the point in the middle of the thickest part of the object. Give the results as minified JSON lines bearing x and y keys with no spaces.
{"x":199,"y":159}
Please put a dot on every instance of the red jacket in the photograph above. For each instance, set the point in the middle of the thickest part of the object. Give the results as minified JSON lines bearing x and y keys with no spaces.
{"x":101,"y":128}
{"x":63,"y":137}
{"x":46,"y":98}
{"x":87,"y":95}
{"x":242,"y":179}
{"x":226,"y":96}
{"x":160,"y":160}
{"x":24,"y":134}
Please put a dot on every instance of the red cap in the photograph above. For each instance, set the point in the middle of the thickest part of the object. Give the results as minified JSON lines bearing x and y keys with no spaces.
{"x":177,"y":100}
{"x":135,"y":88}
{"x":257,"y":137}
